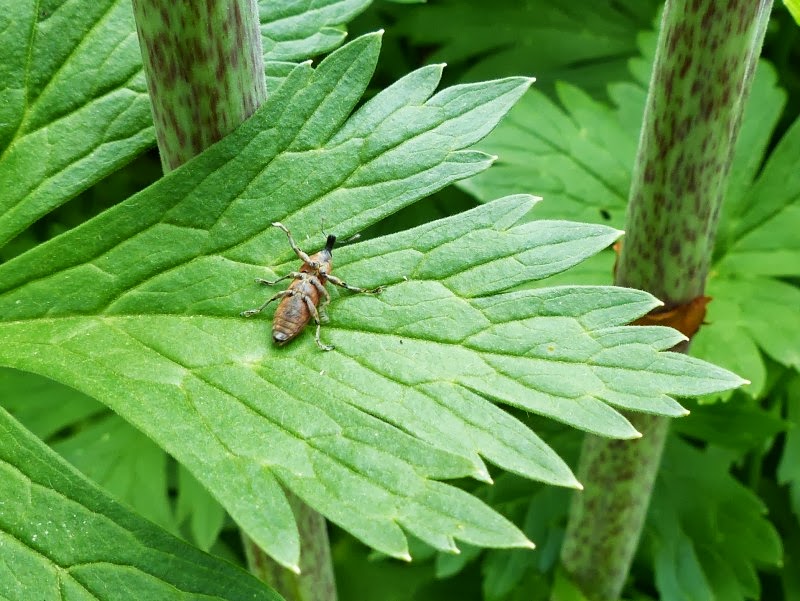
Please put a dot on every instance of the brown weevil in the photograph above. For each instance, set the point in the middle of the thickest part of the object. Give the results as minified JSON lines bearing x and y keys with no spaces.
{"x":299,"y":302}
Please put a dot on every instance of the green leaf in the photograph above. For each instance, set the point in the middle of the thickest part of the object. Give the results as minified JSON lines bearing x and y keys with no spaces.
{"x":794,"y":8}
{"x":160,"y":376}
{"x":44,"y":407}
{"x":139,"y":307}
{"x":293,"y":32}
{"x":63,"y":538}
{"x":73,"y":98}
{"x":125,"y":463}
{"x":764,"y":241}
{"x":581,"y":169}
{"x":206,"y":516}
{"x":708,"y":549}
{"x":73,"y":103}
{"x":677,"y":567}
{"x":754,"y":307}
{"x":740,"y":424}
{"x":580,"y":41}
{"x":578,"y":156}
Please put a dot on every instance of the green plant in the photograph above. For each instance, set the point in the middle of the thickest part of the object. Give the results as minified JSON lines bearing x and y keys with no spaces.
{"x":138,"y":306}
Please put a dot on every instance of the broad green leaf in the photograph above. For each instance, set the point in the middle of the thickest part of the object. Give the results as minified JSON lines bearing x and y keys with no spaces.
{"x":585,"y":41}
{"x":256,"y":158}
{"x":63,"y":538}
{"x":707,"y":550}
{"x":73,"y":103}
{"x":139,"y":307}
{"x":579,"y":155}
{"x":73,"y":98}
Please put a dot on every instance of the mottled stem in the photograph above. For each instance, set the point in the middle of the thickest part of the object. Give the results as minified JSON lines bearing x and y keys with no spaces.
{"x":316,"y":579}
{"x":706,"y":58}
{"x":205,"y":74}
{"x":205,"y":71}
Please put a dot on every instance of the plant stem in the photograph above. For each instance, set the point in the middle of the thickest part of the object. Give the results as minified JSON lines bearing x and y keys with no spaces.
{"x":205,"y":71}
{"x":205,"y":74}
{"x":706,"y":59}
{"x":316,"y":579}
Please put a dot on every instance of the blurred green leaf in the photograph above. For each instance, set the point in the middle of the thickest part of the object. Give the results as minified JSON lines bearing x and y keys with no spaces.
{"x":789,"y":466}
{"x":583,"y":41}
{"x":63,"y":538}
{"x":709,"y":549}
{"x":761,"y":219}
{"x":794,"y":8}
{"x":43,"y":406}
{"x":205,"y":515}
{"x":740,"y":424}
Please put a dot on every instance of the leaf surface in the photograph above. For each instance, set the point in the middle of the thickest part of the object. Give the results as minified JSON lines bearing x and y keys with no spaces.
{"x":63,"y":538}
{"x":74,"y":103}
{"x":578,"y":156}
{"x":73,"y":98}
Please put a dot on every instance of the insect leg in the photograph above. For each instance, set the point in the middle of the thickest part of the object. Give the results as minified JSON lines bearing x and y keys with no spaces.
{"x":302,"y":255}
{"x":257,"y":310}
{"x":324,"y":294}
{"x":295,"y":275}
{"x":337,"y":282}
{"x":315,"y":314}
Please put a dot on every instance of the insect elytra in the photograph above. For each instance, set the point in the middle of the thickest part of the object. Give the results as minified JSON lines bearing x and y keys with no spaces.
{"x":306,"y":298}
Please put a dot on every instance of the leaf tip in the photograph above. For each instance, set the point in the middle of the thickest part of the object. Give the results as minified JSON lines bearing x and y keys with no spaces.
{"x":574,"y":483}
{"x":482,"y":475}
{"x":294,"y":568}
{"x":528,"y":544}
{"x":405,"y":556}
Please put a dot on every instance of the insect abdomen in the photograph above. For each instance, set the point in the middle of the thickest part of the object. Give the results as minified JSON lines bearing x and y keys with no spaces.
{"x":292,"y":313}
